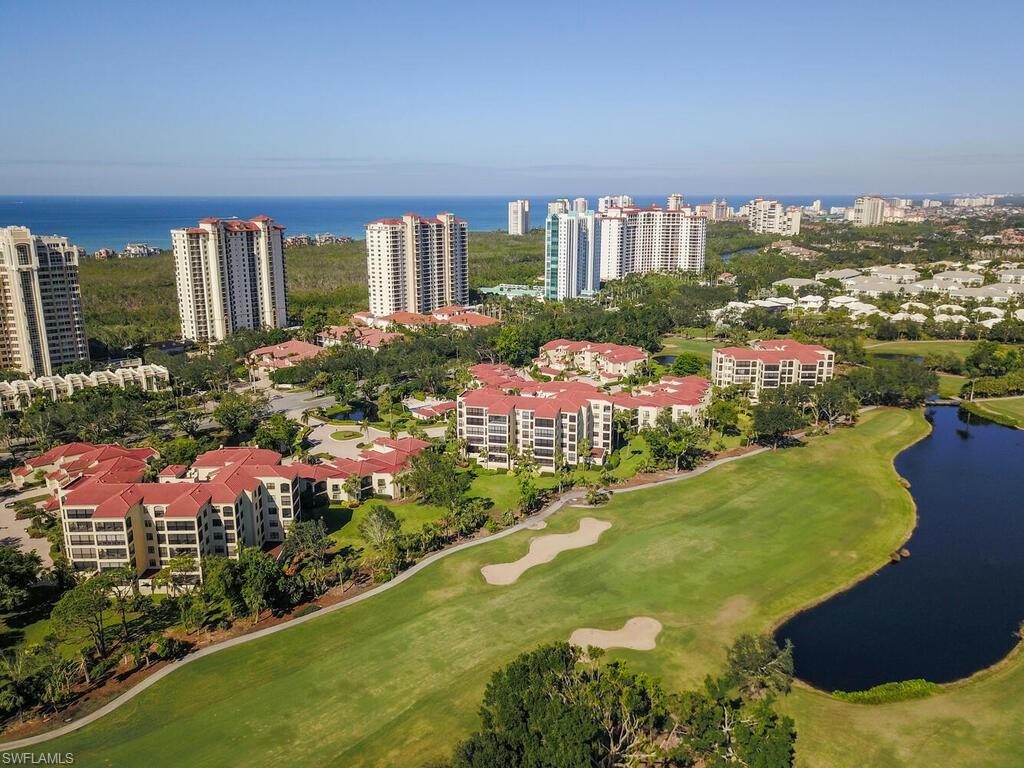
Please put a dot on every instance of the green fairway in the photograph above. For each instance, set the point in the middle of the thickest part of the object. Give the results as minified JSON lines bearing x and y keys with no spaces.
{"x":920,"y":348}
{"x":1005,"y":410}
{"x":950,"y":384}
{"x":676,"y":344}
{"x":396,"y":679}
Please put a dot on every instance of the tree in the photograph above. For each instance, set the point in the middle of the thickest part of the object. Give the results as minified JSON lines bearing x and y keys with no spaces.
{"x":678,"y":443}
{"x":82,"y":608}
{"x":240,"y":413}
{"x":259,"y":579}
{"x":379,"y":526}
{"x":18,"y":571}
{"x":278,"y":433}
{"x":774,"y":416}
{"x":713,"y":728}
{"x":123,"y":589}
{"x":688,"y":364}
{"x":435,"y":476}
{"x":759,"y":667}
{"x":353,"y":486}
{"x":309,"y":543}
{"x":18,"y":683}
{"x":555,"y":707}
{"x":832,"y":401}
{"x":724,"y":415}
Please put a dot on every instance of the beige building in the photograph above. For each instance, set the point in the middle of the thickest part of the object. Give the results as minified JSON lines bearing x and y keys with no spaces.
{"x":562,"y":419}
{"x":41,"y":303}
{"x":868,"y":211}
{"x":415,"y":264}
{"x":18,"y":394}
{"x":770,"y":217}
{"x":772,"y":364}
{"x":230,"y":276}
{"x":519,"y":217}
{"x":652,"y":239}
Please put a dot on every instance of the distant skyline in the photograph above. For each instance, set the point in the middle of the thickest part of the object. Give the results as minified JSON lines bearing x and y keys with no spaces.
{"x":317,"y":98}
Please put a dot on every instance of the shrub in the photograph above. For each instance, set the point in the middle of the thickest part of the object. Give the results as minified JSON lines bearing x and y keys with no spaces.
{"x":889,"y":692}
{"x":305,"y":611}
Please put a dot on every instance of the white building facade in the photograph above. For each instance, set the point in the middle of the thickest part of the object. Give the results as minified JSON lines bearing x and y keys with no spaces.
{"x":770,"y":217}
{"x":572,"y":256}
{"x":652,"y":239}
{"x":415,"y":264}
{"x":518,"y":217}
{"x":868,"y":211}
{"x":230,"y":276}
{"x":42,"y":326}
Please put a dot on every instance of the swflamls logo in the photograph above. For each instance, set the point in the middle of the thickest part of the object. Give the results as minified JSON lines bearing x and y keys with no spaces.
{"x":37,"y":758}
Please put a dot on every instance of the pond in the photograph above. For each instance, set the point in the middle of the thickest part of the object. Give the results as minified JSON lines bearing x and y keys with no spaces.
{"x":954,"y":605}
{"x":740,"y":252}
{"x":665,"y":359}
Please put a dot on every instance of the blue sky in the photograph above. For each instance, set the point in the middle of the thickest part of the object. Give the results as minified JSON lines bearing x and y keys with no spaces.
{"x":340,"y":98}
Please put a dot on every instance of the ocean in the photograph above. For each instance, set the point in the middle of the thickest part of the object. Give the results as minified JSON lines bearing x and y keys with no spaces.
{"x":111,"y":222}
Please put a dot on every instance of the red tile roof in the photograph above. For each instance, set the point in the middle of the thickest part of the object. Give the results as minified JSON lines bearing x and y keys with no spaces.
{"x":222,"y":457}
{"x":776,"y":351}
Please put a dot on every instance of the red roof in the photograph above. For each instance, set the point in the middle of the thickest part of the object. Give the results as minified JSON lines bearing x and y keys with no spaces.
{"x":222,"y":457}
{"x":616,"y":353}
{"x":286,"y":353}
{"x":777,"y":350}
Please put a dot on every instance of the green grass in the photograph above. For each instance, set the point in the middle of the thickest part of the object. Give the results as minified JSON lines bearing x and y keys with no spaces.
{"x":1004,"y":410}
{"x":395,"y":680}
{"x":921,"y":348}
{"x":950,"y":384}
{"x":676,"y":344}
{"x":346,"y":434}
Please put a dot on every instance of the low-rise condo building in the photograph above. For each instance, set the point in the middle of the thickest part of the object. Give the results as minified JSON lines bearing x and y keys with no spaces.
{"x":568,"y":420}
{"x":609,"y":361}
{"x":772,"y":364}
{"x":17,"y":394}
{"x":229,"y":497}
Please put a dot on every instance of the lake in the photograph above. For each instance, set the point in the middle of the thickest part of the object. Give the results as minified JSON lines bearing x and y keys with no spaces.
{"x":951,"y":608}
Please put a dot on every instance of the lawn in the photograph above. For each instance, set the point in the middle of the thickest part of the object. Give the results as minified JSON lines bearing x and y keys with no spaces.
{"x":1005,"y":410}
{"x":346,"y":434}
{"x":395,"y":680}
{"x":920,"y":348}
{"x":950,"y":384}
{"x":675,"y":344}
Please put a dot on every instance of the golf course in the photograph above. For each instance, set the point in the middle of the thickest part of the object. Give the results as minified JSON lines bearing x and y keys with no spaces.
{"x":396,"y":679}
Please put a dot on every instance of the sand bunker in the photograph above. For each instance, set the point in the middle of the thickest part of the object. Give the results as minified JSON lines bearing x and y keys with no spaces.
{"x":637,"y":634}
{"x":544,"y":549}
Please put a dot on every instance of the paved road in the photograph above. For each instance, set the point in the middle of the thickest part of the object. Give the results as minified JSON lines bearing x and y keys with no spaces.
{"x":15,"y":532}
{"x":572,"y":496}
{"x":321,"y":441}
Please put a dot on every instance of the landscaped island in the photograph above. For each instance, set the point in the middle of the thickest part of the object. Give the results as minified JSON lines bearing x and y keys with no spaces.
{"x":395,"y":679}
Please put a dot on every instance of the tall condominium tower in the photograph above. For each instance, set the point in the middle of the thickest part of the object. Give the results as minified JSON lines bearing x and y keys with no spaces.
{"x":615,"y":201}
{"x":41,"y":327}
{"x":230,"y":276}
{"x":572,"y":257}
{"x":561,"y":205}
{"x":415,"y":264}
{"x":770,"y":217}
{"x":580,"y":205}
{"x":868,"y":211}
{"x":652,"y":239}
{"x":519,"y":217}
